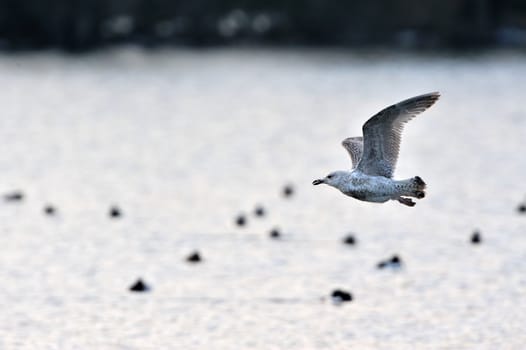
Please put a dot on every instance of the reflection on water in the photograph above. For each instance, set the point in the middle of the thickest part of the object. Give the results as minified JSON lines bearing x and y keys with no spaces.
{"x":184,"y":141}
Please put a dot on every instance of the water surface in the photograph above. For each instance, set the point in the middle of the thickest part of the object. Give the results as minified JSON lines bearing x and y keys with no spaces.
{"x":183,"y":141}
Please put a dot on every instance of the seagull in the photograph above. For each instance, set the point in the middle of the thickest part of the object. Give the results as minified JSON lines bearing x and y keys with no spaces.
{"x":374,"y":157}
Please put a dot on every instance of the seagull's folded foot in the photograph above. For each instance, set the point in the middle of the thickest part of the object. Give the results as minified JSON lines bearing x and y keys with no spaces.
{"x":406,"y":201}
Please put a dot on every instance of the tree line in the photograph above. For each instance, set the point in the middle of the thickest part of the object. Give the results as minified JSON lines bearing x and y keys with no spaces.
{"x":78,"y":25}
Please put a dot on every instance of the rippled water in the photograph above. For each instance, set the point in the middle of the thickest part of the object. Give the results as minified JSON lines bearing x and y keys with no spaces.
{"x":183,"y":141}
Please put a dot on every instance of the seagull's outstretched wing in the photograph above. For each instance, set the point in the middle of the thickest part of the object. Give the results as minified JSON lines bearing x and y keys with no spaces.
{"x":383,"y":131}
{"x":354,"y":146}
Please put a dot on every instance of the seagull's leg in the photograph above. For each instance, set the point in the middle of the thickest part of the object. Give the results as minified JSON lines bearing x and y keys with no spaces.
{"x":406,"y":201}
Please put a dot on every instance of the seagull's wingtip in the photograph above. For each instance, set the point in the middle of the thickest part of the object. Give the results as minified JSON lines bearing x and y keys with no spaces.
{"x":431,"y":97}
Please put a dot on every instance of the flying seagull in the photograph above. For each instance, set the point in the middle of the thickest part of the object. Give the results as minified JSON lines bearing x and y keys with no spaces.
{"x":374,"y":156}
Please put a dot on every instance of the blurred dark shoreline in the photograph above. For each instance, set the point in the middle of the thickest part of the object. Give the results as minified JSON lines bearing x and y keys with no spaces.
{"x":333,"y":53}
{"x":77,"y":26}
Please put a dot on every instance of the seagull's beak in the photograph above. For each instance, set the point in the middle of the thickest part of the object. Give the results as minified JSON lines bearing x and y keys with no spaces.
{"x":317,"y":182}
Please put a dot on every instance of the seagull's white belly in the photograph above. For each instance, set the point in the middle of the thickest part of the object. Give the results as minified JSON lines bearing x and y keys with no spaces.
{"x":371,"y":188}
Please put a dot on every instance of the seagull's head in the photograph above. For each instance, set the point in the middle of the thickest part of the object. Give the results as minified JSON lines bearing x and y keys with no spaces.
{"x":334,"y":179}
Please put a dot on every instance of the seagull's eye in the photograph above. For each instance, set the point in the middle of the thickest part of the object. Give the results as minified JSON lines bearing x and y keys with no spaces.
{"x":329,"y":176}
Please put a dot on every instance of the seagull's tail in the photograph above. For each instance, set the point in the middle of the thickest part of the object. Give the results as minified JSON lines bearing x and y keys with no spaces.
{"x":414,"y":187}
{"x":418,"y":187}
